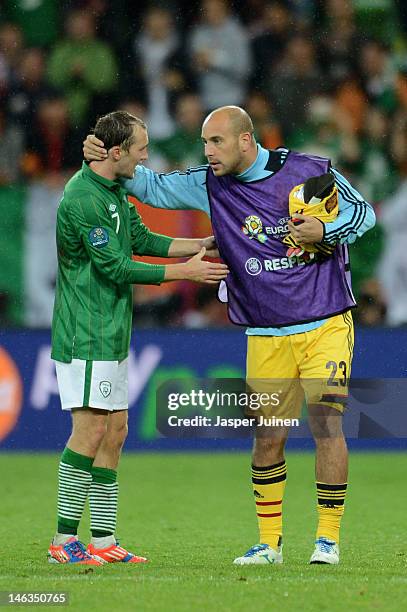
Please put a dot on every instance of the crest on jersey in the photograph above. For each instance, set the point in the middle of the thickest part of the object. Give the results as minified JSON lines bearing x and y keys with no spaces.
{"x":98,"y":237}
{"x":105,"y":388}
{"x":253,"y":266}
{"x":112,"y":207}
{"x":253,"y":227}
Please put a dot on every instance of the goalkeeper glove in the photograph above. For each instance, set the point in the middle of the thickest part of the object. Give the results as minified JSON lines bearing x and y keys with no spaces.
{"x":317,"y":197}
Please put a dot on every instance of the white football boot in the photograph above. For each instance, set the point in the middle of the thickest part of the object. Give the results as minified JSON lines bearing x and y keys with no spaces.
{"x":326,"y":552}
{"x":260,"y":554}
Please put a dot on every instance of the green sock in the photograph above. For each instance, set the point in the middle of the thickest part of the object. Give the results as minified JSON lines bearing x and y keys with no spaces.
{"x":103,"y":494}
{"x":74,"y":480}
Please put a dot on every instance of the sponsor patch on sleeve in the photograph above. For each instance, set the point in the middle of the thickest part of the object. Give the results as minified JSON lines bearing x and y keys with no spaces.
{"x":98,"y":237}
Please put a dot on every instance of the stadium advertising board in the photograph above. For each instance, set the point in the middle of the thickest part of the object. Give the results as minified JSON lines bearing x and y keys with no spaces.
{"x":31,"y":418}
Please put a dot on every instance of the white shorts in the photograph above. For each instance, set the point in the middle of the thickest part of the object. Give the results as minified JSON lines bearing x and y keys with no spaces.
{"x":93,"y":384}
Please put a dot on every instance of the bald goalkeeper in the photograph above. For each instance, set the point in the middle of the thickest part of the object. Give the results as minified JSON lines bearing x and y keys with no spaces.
{"x":297,"y":310}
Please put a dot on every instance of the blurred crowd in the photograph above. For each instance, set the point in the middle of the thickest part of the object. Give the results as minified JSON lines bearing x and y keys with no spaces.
{"x":324,"y":76}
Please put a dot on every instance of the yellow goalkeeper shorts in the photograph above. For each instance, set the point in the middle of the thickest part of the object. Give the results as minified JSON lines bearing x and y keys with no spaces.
{"x":315,"y":364}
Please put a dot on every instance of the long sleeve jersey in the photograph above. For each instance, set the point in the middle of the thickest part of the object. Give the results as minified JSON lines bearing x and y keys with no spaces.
{"x":187,"y":190}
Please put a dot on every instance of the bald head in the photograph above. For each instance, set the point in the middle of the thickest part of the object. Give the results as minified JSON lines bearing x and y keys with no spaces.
{"x":234,"y":117}
{"x":230,"y":146}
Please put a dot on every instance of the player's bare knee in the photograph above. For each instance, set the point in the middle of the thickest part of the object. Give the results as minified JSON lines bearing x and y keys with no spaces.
{"x":268,"y":450}
{"x":120,"y":435}
{"x":116,"y":436}
{"x":325,"y":422}
{"x":88,"y":430}
{"x":96,"y":434}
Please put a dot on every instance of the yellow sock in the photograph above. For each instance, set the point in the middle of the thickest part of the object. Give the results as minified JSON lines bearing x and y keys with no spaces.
{"x":331,"y":504}
{"x":268,"y":488}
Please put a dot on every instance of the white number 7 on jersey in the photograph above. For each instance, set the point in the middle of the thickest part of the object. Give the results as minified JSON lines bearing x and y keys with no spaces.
{"x":116,"y":216}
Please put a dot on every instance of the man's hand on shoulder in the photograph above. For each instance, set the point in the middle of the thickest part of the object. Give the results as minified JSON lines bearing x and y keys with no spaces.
{"x":93,"y":149}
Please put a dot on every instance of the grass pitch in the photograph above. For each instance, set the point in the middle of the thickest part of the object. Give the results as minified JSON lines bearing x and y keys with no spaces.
{"x":191,"y":515}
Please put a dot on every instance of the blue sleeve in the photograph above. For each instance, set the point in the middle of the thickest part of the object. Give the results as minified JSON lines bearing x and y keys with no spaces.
{"x":356,"y":216}
{"x":186,"y":190}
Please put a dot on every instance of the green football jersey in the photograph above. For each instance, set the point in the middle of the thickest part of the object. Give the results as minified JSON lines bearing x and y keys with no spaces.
{"x":97,"y":232}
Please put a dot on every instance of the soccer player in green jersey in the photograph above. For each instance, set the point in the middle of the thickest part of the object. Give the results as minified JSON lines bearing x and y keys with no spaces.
{"x":98,"y":230}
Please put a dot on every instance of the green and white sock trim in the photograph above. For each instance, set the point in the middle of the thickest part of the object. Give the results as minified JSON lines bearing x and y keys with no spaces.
{"x":74,"y":481}
{"x":103,"y":496}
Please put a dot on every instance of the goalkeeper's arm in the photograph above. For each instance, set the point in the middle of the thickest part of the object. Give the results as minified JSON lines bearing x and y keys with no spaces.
{"x":355,"y":217}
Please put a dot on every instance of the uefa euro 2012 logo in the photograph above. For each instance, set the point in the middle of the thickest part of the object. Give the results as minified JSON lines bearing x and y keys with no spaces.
{"x":253,"y":227}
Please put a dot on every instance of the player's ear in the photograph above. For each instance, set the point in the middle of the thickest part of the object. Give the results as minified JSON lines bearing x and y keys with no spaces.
{"x":116,"y":153}
{"x":245,"y":141}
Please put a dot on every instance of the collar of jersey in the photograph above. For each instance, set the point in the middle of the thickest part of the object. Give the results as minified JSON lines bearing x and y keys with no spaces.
{"x":257,"y":170}
{"x":88,"y":172}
